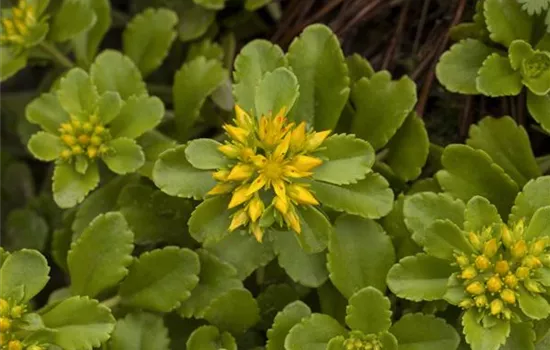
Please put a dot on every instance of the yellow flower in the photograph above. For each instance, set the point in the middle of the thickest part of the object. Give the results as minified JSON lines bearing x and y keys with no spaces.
{"x":15,"y":30}
{"x":271,"y":158}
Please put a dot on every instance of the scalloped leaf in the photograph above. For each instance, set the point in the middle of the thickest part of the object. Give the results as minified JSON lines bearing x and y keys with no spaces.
{"x":47,"y":112}
{"x":153,"y":144}
{"x":140,"y":331}
{"x":442,"y":239}
{"x":98,"y":260}
{"x":522,"y":336}
{"x":535,"y":195}
{"x":210,"y":220}
{"x":210,"y":338}
{"x":496,"y":77}
{"x":24,"y":228}
{"x":424,"y":332}
{"x":481,"y":338}
{"x":534,"y":6}
{"x":480,"y":214}
{"x":313,"y":332}
{"x":124,"y":156}
{"x":276,"y":90}
{"x":203,"y":154}
{"x":194,"y":19}
{"x":539,"y":224}
{"x":86,"y":43}
{"x":358,"y":67}
{"x":70,"y":187}
{"x":535,"y":306}
{"x":506,"y":21}
{"x":273,"y":298}
{"x":23,"y":274}
{"x":539,"y":108}
{"x":369,"y":311}
{"x":72,"y":18}
{"x":291,"y":315}
{"x":316,"y":229}
{"x":11,"y":62}
{"x":45,"y":146}
{"x":138,"y":115}
{"x":77,"y":94}
{"x":234,"y":311}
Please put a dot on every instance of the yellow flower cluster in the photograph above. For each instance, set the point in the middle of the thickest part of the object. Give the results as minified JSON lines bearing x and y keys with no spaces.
{"x":267,"y":154}
{"x":361,"y":342}
{"x":84,"y":138}
{"x":16,"y":29}
{"x":492,"y":276}
{"x":10,"y":316}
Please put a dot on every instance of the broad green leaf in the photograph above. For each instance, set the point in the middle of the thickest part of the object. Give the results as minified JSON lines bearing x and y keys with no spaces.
{"x":160,"y":279}
{"x":342,"y":151}
{"x":112,"y":71}
{"x":216,"y":278}
{"x":493,"y":136}
{"x":78,"y":323}
{"x":204,"y":154}
{"x":86,"y":43}
{"x":11,"y":62}
{"x":408,"y":149}
{"x":381,"y":107}
{"x":148,"y":37}
{"x":353,"y":243}
{"x":23,"y":274}
{"x":368,"y":311}
{"x":332,"y":302}
{"x":424,"y":332}
{"x":24,"y":228}
{"x":138,"y":115}
{"x":315,"y":229}
{"x":193,"y":83}
{"x":469,"y":172}
{"x":124,"y":156}
{"x":481,"y":338}
{"x":539,"y":225}
{"x":457,"y":68}
{"x":277,"y":90}
{"x":77,"y":94}
{"x":319,"y":64}
{"x":210,"y":220}
{"x":518,"y":51}
{"x":535,"y":306}
{"x":70,"y":187}
{"x":153,"y":144}
{"x":255,"y":59}
{"x":45,"y":146}
{"x":194,"y":20}
{"x":210,"y":338}
{"x":273,"y":298}
{"x":496,"y":77}
{"x":522,"y":336}
{"x":358,"y":68}
{"x":47,"y":112}
{"x":140,"y":331}
{"x":313,"y":333}
{"x":539,"y":108}
{"x":291,"y":315}
{"x":507,"y":22}
{"x":234,"y":311}
{"x":109,"y":106}
{"x":534,"y":6}
{"x":72,"y":18}
{"x":206,"y":48}
{"x":175,"y":176}
{"x":442,"y":239}
{"x":98,"y":260}
{"x":309,"y":270}
{"x":370,"y":198}
{"x":419,"y":277}
{"x":480,"y":214}
{"x":535,"y":195}
{"x":243,"y":251}
{"x":394,"y":225}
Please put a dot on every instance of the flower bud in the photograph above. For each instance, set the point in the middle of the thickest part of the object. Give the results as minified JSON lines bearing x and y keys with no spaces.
{"x":15,"y":345}
{"x":482,"y":262}
{"x":17,"y":311}
{"x":519,"y":249}
{"x":531,"y":262}
{"x":522,"y":272}
{"x":87,"y":127}
{"x":239,"y":219}
{"x":5,"y":324}
{"x":4,"y":307}
{"x":506,"y":237}
{"x":96,"y":140}
{"x":507,"y":313}
{"x":221,"y":175}
{"x":76,"y":124}
{"x":240,"y":172}
{"x":490,"y":248}
{"x":518,"y":228}
{"x":481,"y":301}
{"x":511,"y":281}
{"x":84,"y":139}
{"x":475,"y":288}
{"x":66,"y":154}
{"x":533,"y":286}
{"x":76,"y":150}
{"x":502,"y":267}
{"x":462,"y":260}
{"x":466,"y":303}
{"x":496,"y":307}
{"x":92,"y":152}
{"x":539,"y":246}
{"x":231,"y":151}
{"x":474,"y":240}
{"x":98,"y":130}
{"x":468,"y":273}
{"x":66,"y":127}
{"x":34,"y":347}
{"x":508,"y":295}
{"x":69,"y":140}
{"x":255,"y":208}
{"x":494,"y":284}
{"x":545,"y":259}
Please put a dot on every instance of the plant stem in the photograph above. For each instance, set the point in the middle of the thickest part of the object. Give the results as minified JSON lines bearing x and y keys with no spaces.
{"x":111,"y":302}
{"x":56,"y":55}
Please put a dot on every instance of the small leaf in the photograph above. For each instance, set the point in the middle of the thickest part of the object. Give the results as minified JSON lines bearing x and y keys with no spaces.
{"x":507,"y":22}
{"x":206,"y":48}
{"x":535,"y":306}
{"x":424,"y":332}
{"x":274,"y":298}
{"x":253,"y":5}
{"x":539,"y":225}
{"x":109,"y":106}
{"x":533,"y":196}
{"x":277,"y":90}
{"x":210,"y":338}
{"x":458,"y":68}
{"x":235,"y":311}
{"x":153,"y":144}
{"x":70,"y":187}
{"x":140,"y":331}
{"x":481,"y":338}
{"x":539,"y":108}
{"x":78,"y":323}
{"x":518,"y":51}
{"x":204,"y":154}
{"x":86,"y":43}
{"x":210,"y":220}
{"x":98,"y":260}
{"x":480,"y":214}
{"x":315,"y":229}
{"x":369,"y":311}
{"x":77,"y":94}
{"x":23,"y":274}
{"x":11,"y":62}
{"x":138,"y":115}
{"x":419,"y":277}
{"x":291,"y":315}
{"x":370,"y":198}
{"x":25,"y":228}
{"x":313,"y":332}
{"x":194,"y":20}
{"x":442,"y":239}
{"x":148,"y":38}
{"x":381,"y":106}
{"x":353,"y":243}
{"x":160,"y":279}
{"x":47,"y":112}
{"x":72,"y":18}
{"x":341,"y":151}
{"x":359,"y":67}
{"x":211,"y":4}
{"x":522,"y":336}
{"x":45,"y":146}
{"x":124,"y":156}
{"x":497,"y":77}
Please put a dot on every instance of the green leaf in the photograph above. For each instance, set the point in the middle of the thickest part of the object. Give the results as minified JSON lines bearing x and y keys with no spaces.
{"x":77,"y":94}
{"x":109,"y":106}
{"x":536,"y":73}
{"x":210,"y":338}
{"x":210,"y":220}
{"x":211,"y":4}
{"x":496,"y":77}
{"x":175,"y":176}
{"x":442,"y":239}
{"x":78,"y":323}
{"x":124,"y":156}
{"x":408,"y":149}
{"x":381,"y":107}
{"x":458,"y":68}
{"x":86,"y":43}
{"x":315,"y":229}
{"x":25,"y":228}
{"x":480,"y":214}
{"x":153,"y":144}
{"x":539,"y":108}
{"x":358,"y":68}
{"x":534,"y":6}
{"x":204,"y":154}
{"x":216,"y":278}
{"x":291,"y":315}
{"x":332,"y":302}
{"x":539,"y":225}
{"x":112,"y":71}
{"x":138,"y":115}
{"x":493,"y":136}
{"x":313,"y":333}
{"x":522,"y":336}
{"x":23,"y":274}
{"x":487,"y":180}
{"x":70,"y":187}
{"x":45,"y":146}
{"x":193,"y":83}
{"x":253,"y":5}
{"x":72,"y":18}
{"x":342,"y":151}
{"x":194,"y":20}
{"x":274,"y":298}
{"x":518,"y":51}
{"x":278,"y":89}
{"x":370,"y":198}
{"x":420,"y":277}
{"x":319,"y":64}
{"x":98,"y":260}
{"x":11,"y":62}
{"x":47,"y":112}
{"x":506,"y":21}
{"x":353,"y":243}
{"x":140,"y":331}
{"x":148,"y":38}
{"x":530,"y":199}
{"x":160,"y":279}
{"x":61,"y":243}
{"x":424,"y":332}
{"x":206,"y":48}
{"x":234,"y":311}
{"x":256,"y":58}
{"x":309,"y":270}
{"x":369,"y":311}
{"x":482,"y":338}
{"x":535,"y":306}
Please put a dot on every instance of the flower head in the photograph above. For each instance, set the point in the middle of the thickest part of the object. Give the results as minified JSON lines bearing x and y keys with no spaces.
{"x":358,"y":341}
{"x":271,"y":158}
{"x":16,"y":29}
